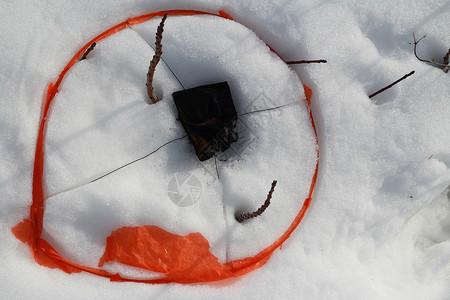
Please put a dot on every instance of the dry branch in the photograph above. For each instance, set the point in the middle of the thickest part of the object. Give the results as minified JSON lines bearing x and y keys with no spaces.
{"x":318,"y":61}
{"x":446,"y":58}
{"x":85,"y":54}
{"x":445,"y":64}
{"x":391,"y":85}
{"x":246,"y":216}
{"x":155,"y":60}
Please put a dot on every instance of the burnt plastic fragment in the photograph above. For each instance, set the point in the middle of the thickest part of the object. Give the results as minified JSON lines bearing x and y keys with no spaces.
{"x":209,"y":117}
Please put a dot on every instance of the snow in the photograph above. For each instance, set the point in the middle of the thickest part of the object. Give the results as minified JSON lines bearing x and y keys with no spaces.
{"x":378,"y":227}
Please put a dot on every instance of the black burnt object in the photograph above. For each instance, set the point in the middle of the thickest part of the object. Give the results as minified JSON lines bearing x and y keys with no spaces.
{"x":209,"y":117}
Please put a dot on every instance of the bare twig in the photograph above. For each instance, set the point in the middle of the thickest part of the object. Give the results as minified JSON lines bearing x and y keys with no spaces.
{"x":318,"y":61}
{"x":155,"y":60}
{"x":85,"y":54}
{"x":392,"y":84}
{"x":445,"y":64}
{"x":446,"y":58}
{"x":246,"y":216}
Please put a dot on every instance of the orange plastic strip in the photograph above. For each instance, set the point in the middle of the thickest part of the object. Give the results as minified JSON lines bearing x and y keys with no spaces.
{"x":190,"y":260}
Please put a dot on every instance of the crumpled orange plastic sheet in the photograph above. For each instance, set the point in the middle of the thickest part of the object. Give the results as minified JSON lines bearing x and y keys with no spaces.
{"x":182,"y":259}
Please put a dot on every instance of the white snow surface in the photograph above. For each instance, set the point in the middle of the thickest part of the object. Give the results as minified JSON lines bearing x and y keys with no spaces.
{"x":378,"y":227}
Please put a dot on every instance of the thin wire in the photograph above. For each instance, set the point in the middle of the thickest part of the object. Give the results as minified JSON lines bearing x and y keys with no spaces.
{"x":136,"y":160}
{"x":165,"y":144}
{"x":217,"y":169}
{"x":267,"y":109}
{"x":169,"y":142}
{"x":170,"y":69}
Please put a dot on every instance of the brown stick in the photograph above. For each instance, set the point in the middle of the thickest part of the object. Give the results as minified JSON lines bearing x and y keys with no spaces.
{"x":85,"y":54}
{"x":445,"y":64}
{"x":392,"y":84}
{"x":155,"y":60}
{"x":446,"y":58}
{"x":318,"y":61}
{"x":246,"y":216}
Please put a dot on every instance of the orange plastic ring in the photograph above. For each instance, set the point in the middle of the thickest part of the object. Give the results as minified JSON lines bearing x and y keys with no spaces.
{"x":30,"y":229}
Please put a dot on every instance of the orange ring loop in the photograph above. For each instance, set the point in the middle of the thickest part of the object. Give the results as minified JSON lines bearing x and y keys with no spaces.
{"x":30,"y":229}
